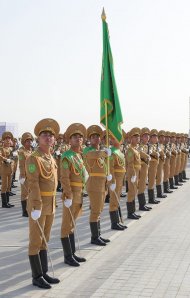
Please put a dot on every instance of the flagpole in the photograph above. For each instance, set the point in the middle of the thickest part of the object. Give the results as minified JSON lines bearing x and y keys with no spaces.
{"x":107,"y":136}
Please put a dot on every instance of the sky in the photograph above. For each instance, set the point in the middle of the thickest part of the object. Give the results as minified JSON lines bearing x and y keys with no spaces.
{"x":51,"y":56}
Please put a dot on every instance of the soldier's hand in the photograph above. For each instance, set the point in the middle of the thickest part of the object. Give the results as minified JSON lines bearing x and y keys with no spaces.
{"x":68,"y":203}
{"x":108,"y":151}
{"x":133,"y":179}
{"x":57,"y":152}
{"x":35,"y":214}
{"x":15,"y":154}
{"x":109,"y":177}
{"x":112,"y":186}
{"x":8,"y":160}
{"x":22,"y":180}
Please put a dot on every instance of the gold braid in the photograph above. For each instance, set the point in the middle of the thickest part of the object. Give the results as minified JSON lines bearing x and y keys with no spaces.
{"x":49,"y":174}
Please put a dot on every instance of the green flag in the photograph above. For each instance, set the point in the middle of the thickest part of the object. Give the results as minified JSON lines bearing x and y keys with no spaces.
{"x":108,"y":91}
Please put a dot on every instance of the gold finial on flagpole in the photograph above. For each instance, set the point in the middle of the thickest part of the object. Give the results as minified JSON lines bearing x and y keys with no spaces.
{"x":103,"y":16}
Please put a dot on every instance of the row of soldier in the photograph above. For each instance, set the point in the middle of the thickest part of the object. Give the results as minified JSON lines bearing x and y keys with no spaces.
{"x":146,"y":157}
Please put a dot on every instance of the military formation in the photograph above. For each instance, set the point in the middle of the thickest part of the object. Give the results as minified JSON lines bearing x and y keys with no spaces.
{"x":86,"y":160}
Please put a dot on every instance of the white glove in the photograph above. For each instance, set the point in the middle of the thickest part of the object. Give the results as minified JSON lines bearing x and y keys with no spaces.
{"x":22,"y":180}
{"x":108,"y":151}
{"x":86,"y":175}
{"x":149,"y":158}
{"x":35,"y":214}
{"x":57,"y":152}
{"x":133,"y":179}
{"x":15,"y":154}
{"x":68,"y":203}
{"x":109,"y":177}
{"x":8,"y":160}
{"x":112,"y":186}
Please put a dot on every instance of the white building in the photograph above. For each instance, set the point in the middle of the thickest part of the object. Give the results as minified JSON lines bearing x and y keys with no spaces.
{"x":12,"y":127}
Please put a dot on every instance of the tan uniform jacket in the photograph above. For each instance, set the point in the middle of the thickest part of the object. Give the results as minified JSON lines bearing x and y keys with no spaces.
{"x":96,"y":166}
{"x":23,"y":154}
{"x":41,"y":172}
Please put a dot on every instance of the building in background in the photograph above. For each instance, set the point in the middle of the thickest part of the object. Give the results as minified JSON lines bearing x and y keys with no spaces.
{"x":12,"y":127}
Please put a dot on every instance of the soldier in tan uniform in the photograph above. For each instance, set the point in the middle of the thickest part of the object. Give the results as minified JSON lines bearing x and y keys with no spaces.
{"x":59,"y":148}
{"x":133,"y":164}
{"x":7,"y":165}
{"x":73,"y":176}
{"x":161,"y":161}
{"x":15,"y":158}
{"x":186,"y":148}
{"x":167,"y":151}
{"x":41,"y":173}
{"x":177,"y":176}
{"x":184,"y":154}
{"x":153,"y":164}
{"x":24,"y":152}
{"x":117,"y":169}
{"x":95,"y":162}
{"x":143,"y":149}
{"x":173,"y":158}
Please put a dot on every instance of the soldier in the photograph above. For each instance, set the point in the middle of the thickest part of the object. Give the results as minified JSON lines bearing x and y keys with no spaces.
{"x":161,"y":161}
{"x":41,"y":173}
{"x":153,"y":164}
{"x":6,"y":168}
{"x":15,"y":158}
{"x":133,"y":162}
{"x":167,"y":151}
{"x":117,"y":169}
{"x":24,"y":152}
{"x":184,"y":154}
{"x":186,"y":148}
{"x":59,"y":148}
{"x":177,"y":175}
{"x":73,"y":176}
{"x":143,"y":148}
{"x":95,"y":161}
{"x":173,"y":158}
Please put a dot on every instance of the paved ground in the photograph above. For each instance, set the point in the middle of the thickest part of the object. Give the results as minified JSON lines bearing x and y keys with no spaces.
{"x":150,"y":259}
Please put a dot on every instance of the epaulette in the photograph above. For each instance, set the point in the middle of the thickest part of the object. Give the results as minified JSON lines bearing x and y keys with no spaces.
{"x":35,"y":153}
{"x":88,"y":149}
{"x":67,"y":154}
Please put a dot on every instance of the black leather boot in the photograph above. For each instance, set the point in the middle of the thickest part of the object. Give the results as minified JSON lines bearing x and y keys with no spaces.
{"x":172,"y":186}
{"x":142,"y":203}
{"x":151,"y":198}
{"x":4,"y":201}
{"x":95,"y":238}
{"x":159,"y":192}
{"x":184,"y":175}
{"x":44,"y":264}
{"x":166,"y":187}
{"x":99,"y":233}
{"x":68,"y":256}
{"x":24,"y":211}
{"x":131,"y":211}
{"x":11,"y":205}
{"x":126,"y":184}
{"x":37,"y":273}
{"x":176,"y":178}
{"x":115,"y":221}
{"x":59,"y":189}
{"x":181,"y":178}
{"x":107,"y":199}
{"x":72,"y":241}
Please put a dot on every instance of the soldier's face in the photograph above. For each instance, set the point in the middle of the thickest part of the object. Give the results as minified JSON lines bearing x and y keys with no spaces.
{"x":95,"y":140}
{"x":135,"y":139}
{"x":8,"y":141}
{"x":28,"y":143}
{"x":167,"y":139}
{"x":154,"y":139}
{"x":76,"y":140}
{"x":46,"y":139}
{"x":145,"y":138}
{"x":161,"y":139}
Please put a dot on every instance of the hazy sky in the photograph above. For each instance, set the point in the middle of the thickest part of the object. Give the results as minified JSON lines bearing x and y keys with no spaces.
{"x":51,"y":55}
